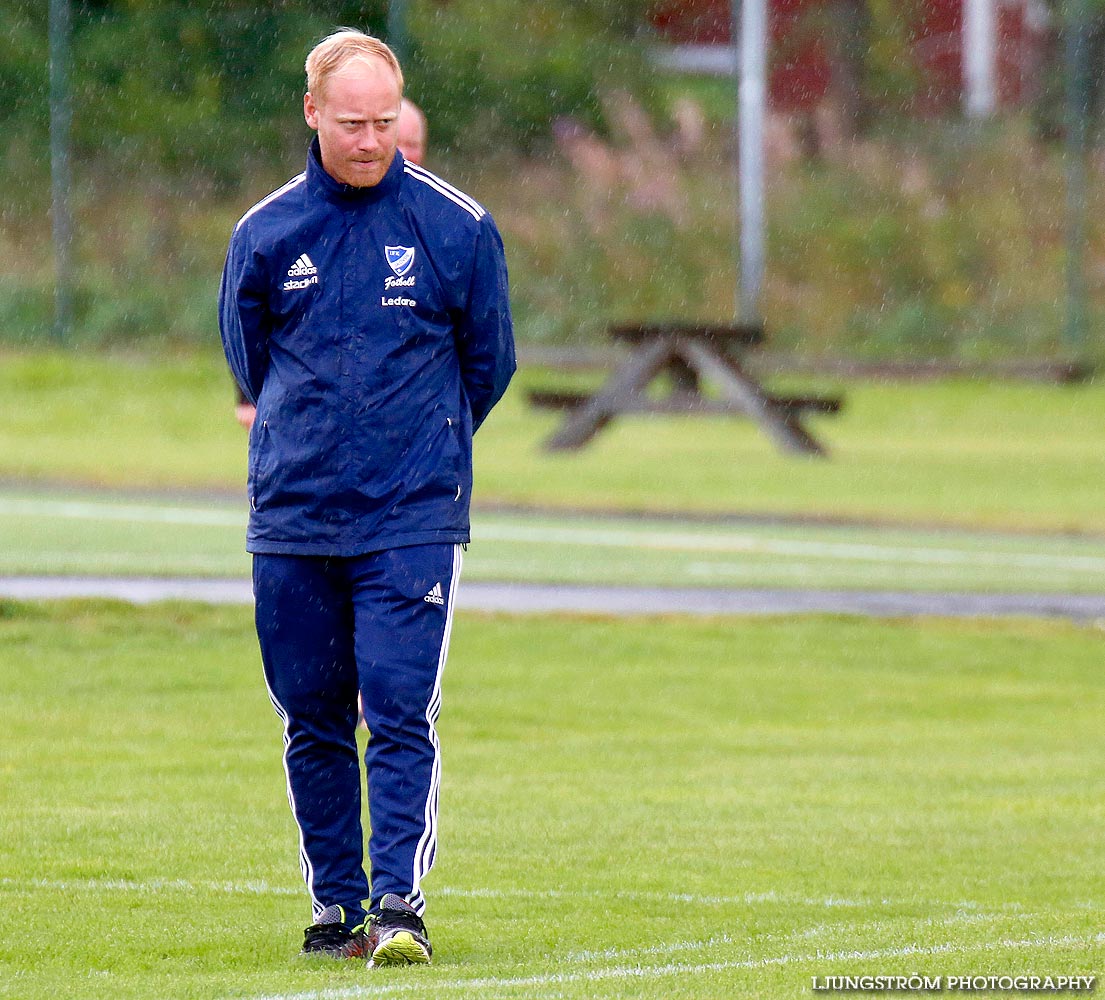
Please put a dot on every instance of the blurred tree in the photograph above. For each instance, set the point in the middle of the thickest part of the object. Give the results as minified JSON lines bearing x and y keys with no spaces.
{"x":24,"y":108}
{"x":173,"y":90}
{"x":493,"y":73}
{"x":891,"y":75}
{"x":1051,"y":107}
{"x":848,"y":46}
{"x":183,"y":88}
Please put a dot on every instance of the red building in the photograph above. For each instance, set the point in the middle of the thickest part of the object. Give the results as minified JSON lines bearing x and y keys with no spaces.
{"x":800,"y":73}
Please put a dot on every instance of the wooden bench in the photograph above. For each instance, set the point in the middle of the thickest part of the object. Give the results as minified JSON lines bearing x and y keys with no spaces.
{"x":688,"y":354}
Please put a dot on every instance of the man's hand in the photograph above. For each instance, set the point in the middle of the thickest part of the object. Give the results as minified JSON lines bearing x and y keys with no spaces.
{"x":245,"y":414}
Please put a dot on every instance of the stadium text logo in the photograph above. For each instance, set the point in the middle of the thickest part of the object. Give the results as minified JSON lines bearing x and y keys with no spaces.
{"x":291,"y":286}
{"x":304,"y":269}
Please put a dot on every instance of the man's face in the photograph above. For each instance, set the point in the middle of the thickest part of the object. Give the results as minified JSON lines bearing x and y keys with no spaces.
{"x":356,"y":117}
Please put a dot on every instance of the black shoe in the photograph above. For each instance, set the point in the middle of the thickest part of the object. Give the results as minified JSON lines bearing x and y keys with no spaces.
{"x":396,"y":934}
{"x":333,"y":938}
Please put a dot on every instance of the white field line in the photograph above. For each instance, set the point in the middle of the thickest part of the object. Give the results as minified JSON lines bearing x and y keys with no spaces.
{"x":653,"y":538}
{"x":743,"y":899}
{"x":262,"y":887}
{"x":644,"y":537}
{"x":966,"y":913}
{"x":681,"y":969}
{"x":867,"y":928}
{"x":79,"y":510}
{"x":964,"y":910}
{"x":150,"y":886}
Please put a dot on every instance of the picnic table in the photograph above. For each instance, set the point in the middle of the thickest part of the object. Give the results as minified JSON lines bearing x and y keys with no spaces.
{"x":689,"y":354}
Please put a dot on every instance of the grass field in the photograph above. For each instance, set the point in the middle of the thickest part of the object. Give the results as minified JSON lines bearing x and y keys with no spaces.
{"x":966,"y":486}
{"x":631,"y":808}
{"x":93,"y":534}
{"x":981,"y":455}
{"x":692,"y":809}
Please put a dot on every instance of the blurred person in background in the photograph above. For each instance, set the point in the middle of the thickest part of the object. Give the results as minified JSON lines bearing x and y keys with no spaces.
{"x":364,"y":311}
{"x":413,"y":132}
{"x":413,"y":137}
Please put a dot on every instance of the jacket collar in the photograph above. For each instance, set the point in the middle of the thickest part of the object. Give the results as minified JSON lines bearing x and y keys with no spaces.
{"x":325,"y":186}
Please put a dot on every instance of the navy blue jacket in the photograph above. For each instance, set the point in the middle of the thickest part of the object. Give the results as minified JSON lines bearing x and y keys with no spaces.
{"x":371,"y":327}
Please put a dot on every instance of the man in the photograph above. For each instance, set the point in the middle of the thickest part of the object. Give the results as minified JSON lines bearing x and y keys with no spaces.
{"x":413,"y":133}
{"x":364,"y":311}
{"x":413,"y":137}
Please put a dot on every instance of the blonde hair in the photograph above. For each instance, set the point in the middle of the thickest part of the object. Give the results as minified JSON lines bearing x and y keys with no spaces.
{"x":339,"y":49}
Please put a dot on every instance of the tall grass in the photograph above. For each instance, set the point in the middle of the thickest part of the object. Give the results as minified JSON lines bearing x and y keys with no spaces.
{"x":926,"y":241}
{"x":940,"y":242}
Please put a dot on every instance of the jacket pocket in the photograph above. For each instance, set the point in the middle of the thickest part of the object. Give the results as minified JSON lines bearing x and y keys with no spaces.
{"x":260,"y":448}
{"x":439,"y":472}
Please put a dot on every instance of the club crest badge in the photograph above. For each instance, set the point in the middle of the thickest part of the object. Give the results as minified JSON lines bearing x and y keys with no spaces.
{"x":400,"y":259}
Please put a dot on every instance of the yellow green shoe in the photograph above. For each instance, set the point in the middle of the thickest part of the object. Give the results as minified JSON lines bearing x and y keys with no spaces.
{"x":396,"y":934}
{"x":332,"y":937}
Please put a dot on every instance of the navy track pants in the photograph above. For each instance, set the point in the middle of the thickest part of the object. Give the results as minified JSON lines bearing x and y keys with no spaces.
{"x":328,"y":628}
